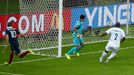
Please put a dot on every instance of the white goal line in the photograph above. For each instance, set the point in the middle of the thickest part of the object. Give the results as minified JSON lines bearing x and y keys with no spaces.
{"x":86,"y":53}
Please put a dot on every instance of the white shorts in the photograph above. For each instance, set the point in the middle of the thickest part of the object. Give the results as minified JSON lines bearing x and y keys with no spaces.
{"x":112,"y":46}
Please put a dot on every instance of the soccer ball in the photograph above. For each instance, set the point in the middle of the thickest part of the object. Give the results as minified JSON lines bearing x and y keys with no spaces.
{"x":5,"y":63}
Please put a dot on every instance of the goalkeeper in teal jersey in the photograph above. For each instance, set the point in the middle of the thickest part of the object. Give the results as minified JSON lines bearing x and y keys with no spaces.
{"x":77,"y":38}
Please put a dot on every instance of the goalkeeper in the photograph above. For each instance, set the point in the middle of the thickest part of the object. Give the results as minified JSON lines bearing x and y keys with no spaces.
{"x":77,"y":38}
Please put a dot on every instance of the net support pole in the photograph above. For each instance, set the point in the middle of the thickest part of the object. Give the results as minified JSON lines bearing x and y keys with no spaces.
{"x":127,"y":16}
{"x":60,"y":28}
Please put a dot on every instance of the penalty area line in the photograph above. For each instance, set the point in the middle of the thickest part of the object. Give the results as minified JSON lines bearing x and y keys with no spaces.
{"x":86,"y":53}
{"x":7,"y":73}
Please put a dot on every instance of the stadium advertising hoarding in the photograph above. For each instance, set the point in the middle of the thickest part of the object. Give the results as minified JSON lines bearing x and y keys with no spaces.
{"x":40,"y":23}
{"x":99,"y":16}
{"x":35,"y":22}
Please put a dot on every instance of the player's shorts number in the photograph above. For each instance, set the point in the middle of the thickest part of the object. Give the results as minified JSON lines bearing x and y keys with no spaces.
{"x":13,"y":34}
{"x":116,"y":35}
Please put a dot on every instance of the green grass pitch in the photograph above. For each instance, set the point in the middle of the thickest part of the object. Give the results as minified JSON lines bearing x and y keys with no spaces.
{"x":86,"y":64}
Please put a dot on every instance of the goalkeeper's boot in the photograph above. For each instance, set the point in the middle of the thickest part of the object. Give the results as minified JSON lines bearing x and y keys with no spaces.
{"x":107,"y":61}
{"x":77,"y":54}
{"x":68,"y":56}
{"x":31,"y":51}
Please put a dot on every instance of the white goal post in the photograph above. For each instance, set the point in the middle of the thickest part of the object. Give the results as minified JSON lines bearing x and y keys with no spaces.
{"x":60,"y":28}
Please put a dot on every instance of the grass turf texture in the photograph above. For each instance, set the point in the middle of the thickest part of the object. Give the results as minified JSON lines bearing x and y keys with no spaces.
{"x":86,"y":64}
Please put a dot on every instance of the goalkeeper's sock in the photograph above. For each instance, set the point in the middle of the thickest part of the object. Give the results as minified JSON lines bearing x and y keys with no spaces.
{"x":11,"y":58}
{"x":78,"y":49}
{"x":113,"y":54}
{"x":71,"y":51}
{"x":21,"y":55}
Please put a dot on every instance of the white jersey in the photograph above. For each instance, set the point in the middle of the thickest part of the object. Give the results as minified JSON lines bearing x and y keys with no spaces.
{"x":116,"y":35}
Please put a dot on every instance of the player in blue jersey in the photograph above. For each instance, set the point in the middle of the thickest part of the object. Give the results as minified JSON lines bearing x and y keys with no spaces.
{"x":77,"y":38}
{"x":11,"y":36}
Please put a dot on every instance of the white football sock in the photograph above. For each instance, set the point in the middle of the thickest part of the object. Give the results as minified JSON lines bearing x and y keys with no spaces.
{"x":113,"y":54}
{"x":104,"y":54}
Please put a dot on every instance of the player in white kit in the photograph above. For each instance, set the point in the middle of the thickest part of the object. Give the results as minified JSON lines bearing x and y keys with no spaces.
{"x":117,"y":36}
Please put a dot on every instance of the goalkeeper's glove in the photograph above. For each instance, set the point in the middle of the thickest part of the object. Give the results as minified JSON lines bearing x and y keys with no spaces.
{"x":78,"y":36}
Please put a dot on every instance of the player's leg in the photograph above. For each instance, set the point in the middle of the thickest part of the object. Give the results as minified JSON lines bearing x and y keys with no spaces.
{"x":113,"y":54}
{"x":104,"y":54}
{"x":11,"y":57}
{"x":81,"y":41}
{"x":24,"y":53}
{"x":77,"y":50}
{"x":19,"y":53}
{"x":11,"y":54}
{"x":72,"y":50}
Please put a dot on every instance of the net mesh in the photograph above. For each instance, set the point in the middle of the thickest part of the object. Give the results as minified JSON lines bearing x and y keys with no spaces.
{"x":45,"y":42}
{"x":42,"y":33}
{"x":131,"y":24}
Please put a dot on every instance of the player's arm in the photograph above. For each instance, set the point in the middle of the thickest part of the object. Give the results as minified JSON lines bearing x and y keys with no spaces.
{"x":5,"y":34}
{"x":76,"y":27}
{"x":123,"y":40}
{"x":20,"y":34}
{"x":106,"y":33}
{"x":123,"y":35}
{"x":75,"y":30}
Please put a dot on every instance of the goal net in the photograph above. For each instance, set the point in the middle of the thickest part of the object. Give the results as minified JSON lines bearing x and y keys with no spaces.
{"x":41,"y":21}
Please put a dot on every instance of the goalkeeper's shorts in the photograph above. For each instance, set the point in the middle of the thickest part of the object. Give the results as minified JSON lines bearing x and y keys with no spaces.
{"x":77,"y":41}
